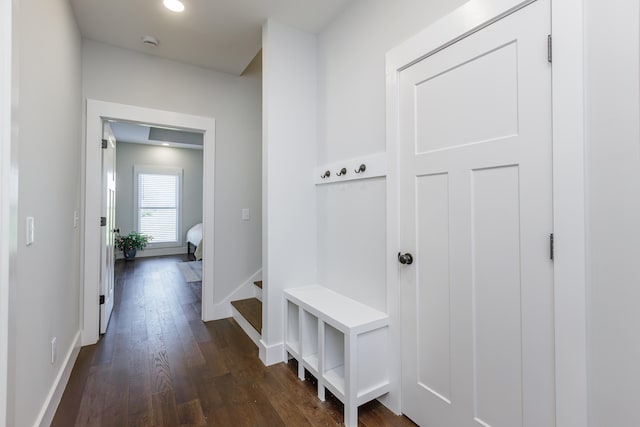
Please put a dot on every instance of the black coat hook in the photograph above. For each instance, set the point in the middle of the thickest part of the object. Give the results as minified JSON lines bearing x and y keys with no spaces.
{"x":361,"y":169}
{"x":343,"y":171}
{"x":327,"y":174}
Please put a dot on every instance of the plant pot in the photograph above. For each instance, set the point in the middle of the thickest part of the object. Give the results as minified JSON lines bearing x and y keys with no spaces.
{"x":130,"y":254}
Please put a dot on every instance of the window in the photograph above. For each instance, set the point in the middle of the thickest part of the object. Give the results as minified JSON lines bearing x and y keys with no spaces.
{"x":157,"y":196}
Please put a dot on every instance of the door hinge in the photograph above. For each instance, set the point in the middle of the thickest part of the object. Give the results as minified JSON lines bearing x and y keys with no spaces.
{"x":103,"y":221}
{"x":104,"y":143}
{"x":549,"y":49}
{"x":101,"y":299}
{"x":551,"y":246}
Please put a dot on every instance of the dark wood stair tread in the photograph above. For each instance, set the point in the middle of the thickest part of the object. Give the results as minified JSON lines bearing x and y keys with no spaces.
{"x":251,"y":310}
{"x":258,"y":284}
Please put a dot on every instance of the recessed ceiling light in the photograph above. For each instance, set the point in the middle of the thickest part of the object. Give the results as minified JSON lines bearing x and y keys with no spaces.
{"x":166,"y":144}
{"x":173,"y":5}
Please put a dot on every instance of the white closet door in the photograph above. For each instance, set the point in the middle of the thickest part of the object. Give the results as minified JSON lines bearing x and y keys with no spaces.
{"x":476,"y":213}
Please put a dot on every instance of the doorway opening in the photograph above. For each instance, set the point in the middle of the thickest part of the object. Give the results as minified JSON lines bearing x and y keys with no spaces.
{"x":97,"y":113}
{"x":158,"y":196}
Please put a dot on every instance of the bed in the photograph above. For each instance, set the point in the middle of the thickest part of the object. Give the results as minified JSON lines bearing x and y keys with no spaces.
{"x":194,"y":238}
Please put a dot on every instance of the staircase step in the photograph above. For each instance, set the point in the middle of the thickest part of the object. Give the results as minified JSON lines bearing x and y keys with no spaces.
{"x":258,"y":284}
{"x":251,"y":310}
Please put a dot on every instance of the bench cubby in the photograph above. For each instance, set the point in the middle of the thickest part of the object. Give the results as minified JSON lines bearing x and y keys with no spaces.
{"x":341,"y":342}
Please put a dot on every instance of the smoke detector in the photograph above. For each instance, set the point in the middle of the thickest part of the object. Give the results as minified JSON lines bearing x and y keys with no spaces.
{"x":150,"y":41}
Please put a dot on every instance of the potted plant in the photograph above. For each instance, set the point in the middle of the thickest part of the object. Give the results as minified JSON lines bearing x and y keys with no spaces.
{"x":130,"y":243}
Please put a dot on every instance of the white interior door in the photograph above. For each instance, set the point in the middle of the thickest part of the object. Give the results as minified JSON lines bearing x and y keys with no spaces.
{"x":107,"y":252}
{"x":476,"y":213}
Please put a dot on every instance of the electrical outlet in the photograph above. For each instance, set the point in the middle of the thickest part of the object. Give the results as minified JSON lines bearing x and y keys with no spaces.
{"x":76,"y":219}
{"x":245,"y":214}
{"x":54,"y":351}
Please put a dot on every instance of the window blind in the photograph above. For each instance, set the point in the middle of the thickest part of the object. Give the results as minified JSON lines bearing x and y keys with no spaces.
{"x":158,"y":206}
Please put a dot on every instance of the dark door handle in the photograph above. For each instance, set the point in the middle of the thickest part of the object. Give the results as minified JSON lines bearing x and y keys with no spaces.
{"x":116,"y":230}
{"x":405,"y":259}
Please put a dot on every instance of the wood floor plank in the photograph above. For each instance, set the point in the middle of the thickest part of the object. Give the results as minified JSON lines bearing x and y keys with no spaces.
{"x":190,"y":413}
{"x":209,"y":394}
{"x":287,"y":410}
{"x":116,"y":406}
{"x":93,"y":397}
{"x":214,"y":359}
{"x":160,"y":365}
{"x":140,"y":401}
{"x":70,"y":406}
{"x":165,"y":411}
{"x":160,"y":373}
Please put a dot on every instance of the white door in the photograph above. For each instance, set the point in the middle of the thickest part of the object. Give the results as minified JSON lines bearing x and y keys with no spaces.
{"x":107,"y":260}
{"x":476,"y":214}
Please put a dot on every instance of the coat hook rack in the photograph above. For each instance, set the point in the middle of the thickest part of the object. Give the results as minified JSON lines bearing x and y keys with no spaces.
{"x":361,"y":169}
{"x":327,"y":174}
{"x":343,"y":171}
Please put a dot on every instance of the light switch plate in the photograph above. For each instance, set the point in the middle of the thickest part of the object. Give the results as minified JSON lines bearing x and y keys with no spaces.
{"x":31,"y":232}
{"x":245,"y":214}
{"x":76,"y":219}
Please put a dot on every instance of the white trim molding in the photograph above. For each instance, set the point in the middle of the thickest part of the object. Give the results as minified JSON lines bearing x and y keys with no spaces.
{"x":149,"y":252}
{"x":48,"y":411}
{"x":97,"y":111}
{"x":568,"y":182}
{"x":271,"y":354}
{"x":8,"y":209}
{"x":223,"y":309}
{"x":569,"y":213}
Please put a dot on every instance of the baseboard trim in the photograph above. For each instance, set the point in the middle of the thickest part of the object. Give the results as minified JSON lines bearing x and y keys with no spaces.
{"x":271,"y":354}
{"x":45,"y":417}
{"x":222,"y":309}
{"x":175,"y":250}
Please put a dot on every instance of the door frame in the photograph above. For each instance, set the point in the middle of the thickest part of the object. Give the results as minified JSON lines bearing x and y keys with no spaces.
{"x":567,"y":26}
{"x":97,"y":111}
{"x":8,"y":213}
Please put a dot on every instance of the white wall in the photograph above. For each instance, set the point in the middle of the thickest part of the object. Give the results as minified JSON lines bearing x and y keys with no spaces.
{"x":189,"y":160}
{"x":49,"y":145}
{"x":613,"y":211}
{"x":351,"y":122}
{"x":122,"y":76}
{"x":289,"y":138}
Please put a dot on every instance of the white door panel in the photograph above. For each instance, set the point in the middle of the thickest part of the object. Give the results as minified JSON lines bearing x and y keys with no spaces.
{"x":495,"y":279}
{"x":433,"y":299}
{"x":475,"y":201}
{"x":449,"y":101}
{"x":107,"y":259}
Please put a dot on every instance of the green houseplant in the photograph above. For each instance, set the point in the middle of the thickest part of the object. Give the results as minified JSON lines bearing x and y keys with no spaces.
{"x":130,"y":243}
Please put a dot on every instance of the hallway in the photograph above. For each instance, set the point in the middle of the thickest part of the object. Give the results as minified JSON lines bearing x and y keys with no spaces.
{"x":159,"y":365}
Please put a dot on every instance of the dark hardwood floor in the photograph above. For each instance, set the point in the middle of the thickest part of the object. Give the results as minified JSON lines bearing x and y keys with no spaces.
{"x":160,"y":365}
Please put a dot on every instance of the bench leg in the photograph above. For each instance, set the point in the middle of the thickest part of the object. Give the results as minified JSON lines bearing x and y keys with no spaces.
{"x":350,"y":414}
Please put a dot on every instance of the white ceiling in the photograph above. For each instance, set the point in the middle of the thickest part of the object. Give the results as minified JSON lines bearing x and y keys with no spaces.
{"x":222,"y":35}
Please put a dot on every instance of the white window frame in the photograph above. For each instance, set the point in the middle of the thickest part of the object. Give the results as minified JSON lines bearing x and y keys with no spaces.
{"x":159,"y":170}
